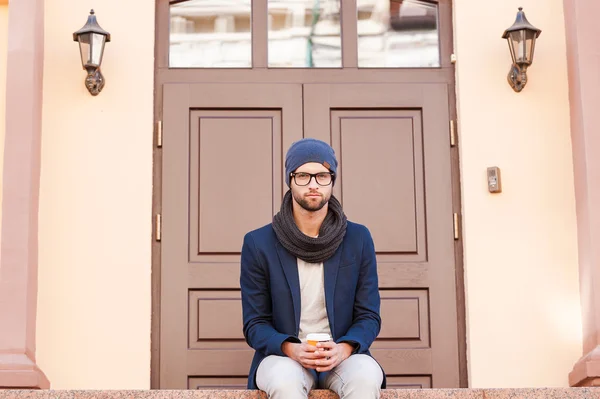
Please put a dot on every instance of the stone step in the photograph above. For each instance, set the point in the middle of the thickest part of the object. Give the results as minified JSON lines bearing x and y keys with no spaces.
{"x":534,"y":393}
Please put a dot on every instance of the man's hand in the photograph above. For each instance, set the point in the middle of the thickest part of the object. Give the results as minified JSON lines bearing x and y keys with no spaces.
{"x":334,"y":355}
{"x":304,"y":354}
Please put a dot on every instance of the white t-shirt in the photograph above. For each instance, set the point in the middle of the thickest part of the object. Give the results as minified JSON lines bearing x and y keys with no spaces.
{"x":313,"y":312}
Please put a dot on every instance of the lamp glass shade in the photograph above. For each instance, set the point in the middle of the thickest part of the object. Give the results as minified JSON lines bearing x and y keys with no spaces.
{"x":530,"y":37}
{"x":521,"y":44}
{"x":91,"y":46}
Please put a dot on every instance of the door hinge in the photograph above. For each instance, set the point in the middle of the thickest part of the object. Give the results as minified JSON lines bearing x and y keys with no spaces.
{"x":453,"y":58}
{"x":158,"y":227}
{"x":452,"y":133}
{"x":456,"y":226}
{"x":159,"y":134}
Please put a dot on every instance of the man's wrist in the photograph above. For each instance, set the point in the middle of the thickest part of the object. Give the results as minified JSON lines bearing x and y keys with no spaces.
{"x":286,"y":348}
{"x":353,"y":344}
{"x":347,"y":349}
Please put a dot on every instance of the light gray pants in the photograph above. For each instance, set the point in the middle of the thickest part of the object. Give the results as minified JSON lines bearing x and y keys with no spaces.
{"x":358,"y":377}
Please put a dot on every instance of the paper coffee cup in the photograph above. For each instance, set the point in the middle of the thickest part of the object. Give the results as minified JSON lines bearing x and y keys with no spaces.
{"x":314,"y":338}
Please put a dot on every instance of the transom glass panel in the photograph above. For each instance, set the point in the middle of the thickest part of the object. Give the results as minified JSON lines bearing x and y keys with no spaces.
{"x":210,"y":34}
{"x":305,"y":34}
{"x":398,"y":34}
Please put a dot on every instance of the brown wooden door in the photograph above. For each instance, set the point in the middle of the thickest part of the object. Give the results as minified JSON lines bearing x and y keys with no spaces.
{"x":222,"y":176}
{"x":394,"y":176}
{"x":392,"y":144}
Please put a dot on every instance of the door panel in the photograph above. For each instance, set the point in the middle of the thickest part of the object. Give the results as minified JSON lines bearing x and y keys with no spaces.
{"x":223,"y":167}
{"x":406,"y":315}
{"x":382,"y":147}
{"x":412,"y":382}
{"x":217,"y":383}
{"x":224,"y":144}
{"x":394,"y":176}
{"x":207,"y":321}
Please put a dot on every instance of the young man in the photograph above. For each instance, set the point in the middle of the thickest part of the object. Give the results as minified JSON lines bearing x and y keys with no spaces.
{"x":311,"y":271}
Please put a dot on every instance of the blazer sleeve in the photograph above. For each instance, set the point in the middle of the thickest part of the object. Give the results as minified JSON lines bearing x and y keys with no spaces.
{"x":366,"y":319}
{"x":256,"y":304}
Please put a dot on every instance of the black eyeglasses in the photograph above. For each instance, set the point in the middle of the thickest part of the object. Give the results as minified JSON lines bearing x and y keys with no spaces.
{"x":322,"y":178}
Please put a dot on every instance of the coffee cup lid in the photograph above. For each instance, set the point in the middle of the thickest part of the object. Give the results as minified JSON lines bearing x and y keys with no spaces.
{"x":318,"y":337}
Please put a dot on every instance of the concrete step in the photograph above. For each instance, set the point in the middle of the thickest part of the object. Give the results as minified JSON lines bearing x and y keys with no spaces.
{"x":534,"y":393}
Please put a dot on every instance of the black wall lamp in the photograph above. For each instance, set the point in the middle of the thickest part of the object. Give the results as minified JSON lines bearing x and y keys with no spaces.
{"x":91,"y":40}
{"x":521,"y":42}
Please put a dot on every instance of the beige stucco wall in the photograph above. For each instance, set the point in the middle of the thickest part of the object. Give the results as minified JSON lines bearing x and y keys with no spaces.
{"x":3,"y":54}
{"x":521,"y":269}
{"x":94,"y":302}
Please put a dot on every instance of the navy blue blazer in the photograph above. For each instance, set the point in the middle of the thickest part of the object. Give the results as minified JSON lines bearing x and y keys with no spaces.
{"x":271,"y":293}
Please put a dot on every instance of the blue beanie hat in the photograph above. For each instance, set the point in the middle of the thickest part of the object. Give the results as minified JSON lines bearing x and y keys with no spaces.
{"x":309,"y":150}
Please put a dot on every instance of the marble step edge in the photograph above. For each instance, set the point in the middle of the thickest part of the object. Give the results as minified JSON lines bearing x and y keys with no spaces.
{"x":504,"y":393}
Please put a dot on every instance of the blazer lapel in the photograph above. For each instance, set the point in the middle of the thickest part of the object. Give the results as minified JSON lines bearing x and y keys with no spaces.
{"x":331,"y":267}
{"x":289,"y":263}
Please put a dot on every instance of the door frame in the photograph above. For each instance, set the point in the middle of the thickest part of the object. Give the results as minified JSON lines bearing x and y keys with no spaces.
{"x":260,"y":73}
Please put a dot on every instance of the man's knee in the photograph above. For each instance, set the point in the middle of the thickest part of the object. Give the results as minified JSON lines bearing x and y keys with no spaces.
{"x":282,"y":377}
{"x":362,"y":374}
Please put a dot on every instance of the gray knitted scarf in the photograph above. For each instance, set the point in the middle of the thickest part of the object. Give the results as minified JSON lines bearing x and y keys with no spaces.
{"x":309,"y":249}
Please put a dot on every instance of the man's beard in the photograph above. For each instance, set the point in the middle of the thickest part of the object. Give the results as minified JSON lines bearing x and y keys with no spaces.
{"x":308,"y":205}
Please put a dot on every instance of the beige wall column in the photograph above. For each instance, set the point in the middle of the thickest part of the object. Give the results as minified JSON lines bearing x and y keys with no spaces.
{"x":523,"y":240}
{"x":582,"y":50}
{"x":21,"y":180}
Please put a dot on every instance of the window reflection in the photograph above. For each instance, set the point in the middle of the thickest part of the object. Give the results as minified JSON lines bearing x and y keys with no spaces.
{"x":210,"y":34}
{"x":305,"y":34}
{"x":398,"y":33}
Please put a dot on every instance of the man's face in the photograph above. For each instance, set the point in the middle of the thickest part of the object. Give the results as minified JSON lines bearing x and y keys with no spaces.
{"x":313,"y":196}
